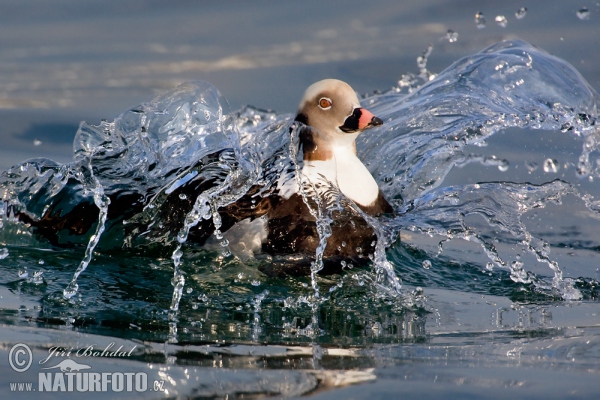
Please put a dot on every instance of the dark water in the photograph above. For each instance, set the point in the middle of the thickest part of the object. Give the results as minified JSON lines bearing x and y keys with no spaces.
{"x":491,"y":164}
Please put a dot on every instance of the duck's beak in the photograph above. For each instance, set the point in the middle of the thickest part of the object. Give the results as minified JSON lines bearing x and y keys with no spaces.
{"x":359,"y":120}
{"x":368,"y":120}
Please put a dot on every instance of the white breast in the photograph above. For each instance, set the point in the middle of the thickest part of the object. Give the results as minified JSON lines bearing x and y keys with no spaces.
{"x":348,"y":173}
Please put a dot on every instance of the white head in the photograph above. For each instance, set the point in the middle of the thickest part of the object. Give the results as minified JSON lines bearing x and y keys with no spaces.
{"x":332,"y":108}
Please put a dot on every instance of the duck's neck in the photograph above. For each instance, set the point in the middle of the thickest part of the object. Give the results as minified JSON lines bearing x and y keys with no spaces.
{"x":339,"y":164}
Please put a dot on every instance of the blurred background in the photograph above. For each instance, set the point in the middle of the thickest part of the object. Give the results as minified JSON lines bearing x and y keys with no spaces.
{"x":65,"y":61}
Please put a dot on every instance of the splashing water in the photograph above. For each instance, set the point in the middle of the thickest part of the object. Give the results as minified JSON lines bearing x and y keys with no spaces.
{"x":501,"y":21}
{"x":550,"y":165}
{"x":451,"y":36}
{"x":521,"y":13}
{"x":583,"y":14}
{"x":433,"y":125}
{"x":102,"y":202}
{"x":411,"y":81}
{"x":158,"y":174}
{"x":480,"y":20}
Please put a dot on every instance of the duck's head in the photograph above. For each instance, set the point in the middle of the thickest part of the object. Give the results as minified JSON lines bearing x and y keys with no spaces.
{"x":332,"y":108}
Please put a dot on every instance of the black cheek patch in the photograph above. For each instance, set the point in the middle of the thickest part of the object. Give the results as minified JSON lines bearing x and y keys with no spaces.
{"x":351,"y":123}
{"x":307,"y":141}
{"x":302,"y":118}
{"x":305,"y":134}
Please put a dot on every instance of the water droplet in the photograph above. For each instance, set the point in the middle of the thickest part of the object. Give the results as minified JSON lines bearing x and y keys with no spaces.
{"x":182,"y":196}
{"x":583,"y":14}
{"x":37,"y":277}
{"x":550,"y":165}
{"x":255,"y":282}
{"x":451,"y":36}
{"x":37,"y":142}
{"x":480,"y":20}
{"x":489,"y":266}
{"x":189,"y":290}
{"x":23,"y":273}
{"x":177,"y":255}
{"x":203,"y":298}
{"x":344,"y":264}
{"x":343,"y":244}
{"x":41,"y":262}
{"x":503,"y":166}
{"x":181,"y":237}
{"x":426,"y":264}
{"x":240,"y":275}
{"x":70,"y":290}
{"x":521,"y":13}
{"x":501,"y":20}
{"x":531,"y":166}
{"x":3,"y":253}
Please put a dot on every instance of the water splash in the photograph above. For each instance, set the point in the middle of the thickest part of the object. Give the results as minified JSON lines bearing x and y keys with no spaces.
{"x":432,"y":131}
{"x":234,"y":185}
{"x":90,"y":183}
{"x":550,"y":165}
{"x":411,"y":81}
{"x":521,"y":13}
{"x":583,"y":14}
{"x":181,"y":157}
{"x":501,"y":21}
{"x":451,"y":36}
{"x":321,"y":208}
{"x":480,"y":21}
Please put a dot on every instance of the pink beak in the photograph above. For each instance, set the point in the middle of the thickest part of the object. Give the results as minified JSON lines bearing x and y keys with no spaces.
{"x":359,"y":120}
{"x":367,"y":119}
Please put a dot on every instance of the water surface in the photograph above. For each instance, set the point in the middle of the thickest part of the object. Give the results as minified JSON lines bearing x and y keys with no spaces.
{"x":492,"y":167}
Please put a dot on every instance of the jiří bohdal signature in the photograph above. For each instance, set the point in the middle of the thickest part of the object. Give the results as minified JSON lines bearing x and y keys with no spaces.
{"x":89,"y":351}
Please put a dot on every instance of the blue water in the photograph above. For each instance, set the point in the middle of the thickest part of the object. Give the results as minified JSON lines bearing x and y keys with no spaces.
{"x":472,"y":243}
{"x":486,"y":278}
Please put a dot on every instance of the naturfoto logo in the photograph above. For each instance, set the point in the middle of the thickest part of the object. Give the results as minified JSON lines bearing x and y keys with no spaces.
{"x":69,"y":375}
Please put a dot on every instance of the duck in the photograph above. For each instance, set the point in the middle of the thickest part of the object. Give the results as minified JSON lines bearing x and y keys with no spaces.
{"x":329,"y":119}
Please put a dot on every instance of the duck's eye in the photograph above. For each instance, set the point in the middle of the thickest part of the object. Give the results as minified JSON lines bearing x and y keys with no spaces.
{"x":325,"y":103}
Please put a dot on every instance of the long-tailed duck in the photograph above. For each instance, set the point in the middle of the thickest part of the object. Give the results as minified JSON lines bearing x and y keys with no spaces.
{"x":332,"y":118}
